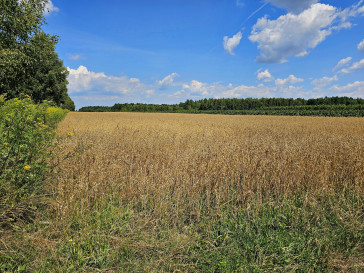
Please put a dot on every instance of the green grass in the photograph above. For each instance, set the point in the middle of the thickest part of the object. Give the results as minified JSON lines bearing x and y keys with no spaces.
{"x":290,"y":235}
{"x":302,"y":233}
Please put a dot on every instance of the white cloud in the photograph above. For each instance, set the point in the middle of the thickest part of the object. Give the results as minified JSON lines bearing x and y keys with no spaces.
{"x":264,"y":76}
{"x":319,"y":83}
{"x":295,"y":34}
{"x":355,"y":90}
{"x":342,"y":63}
{"x":197,"y":88}
{"x":230,"y":43}
{"x":355,"y":66}
{"x":361,"y":45}
{"x":83,"y":80}
{"x":292,"y":79}
{"x":149,"y":93}
{"x":96,"y":88}
{"x":353,"y":11}
{"x":200,"y":90}
{"x":302,"y":54}
{"x":74,"y":57}
{"x":248,"y":91}
{"x":167,"y":81}
{"x":134,"y":80}
{"x":293,"y":5}
{"x":49,"y":8}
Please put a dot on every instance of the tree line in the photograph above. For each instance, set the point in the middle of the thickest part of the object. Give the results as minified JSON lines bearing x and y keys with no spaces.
{"x":29,"y":64}
{"x":327,"y":106}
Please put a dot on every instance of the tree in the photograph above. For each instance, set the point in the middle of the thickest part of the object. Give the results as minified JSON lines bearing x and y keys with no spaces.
{"x":28,"y":61}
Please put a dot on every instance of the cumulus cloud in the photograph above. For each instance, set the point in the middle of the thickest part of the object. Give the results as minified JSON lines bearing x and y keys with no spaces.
{"x":293,"y":5}
{"x":196,"y":88}
{"x":49,"y":8}
{"x":355,"y":90}
{"x":355,"y":66}
{"x":89,"y":88}
{"x":167,"y":81}
{"x":83,"y":80}
{"x":319,"y":83}
{"x":295,"y":34}
{"x":361,"y":46}
{"x":342,"y":63}
{"x":292,"y":79}
{"x":199,"y":90}
{"x":231,"y":43}
{"x":248,"y":91}
{"x":264,"y":76}
{"x":281,"y":88}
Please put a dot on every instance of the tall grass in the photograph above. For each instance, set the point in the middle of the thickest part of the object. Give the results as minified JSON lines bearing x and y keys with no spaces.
{"x":200,"y":193}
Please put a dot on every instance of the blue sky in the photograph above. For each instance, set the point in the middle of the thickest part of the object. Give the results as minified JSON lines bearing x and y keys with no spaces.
{"x":167,"y":51}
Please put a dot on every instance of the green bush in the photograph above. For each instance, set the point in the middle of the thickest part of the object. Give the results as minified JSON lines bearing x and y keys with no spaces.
{"x":55,"y":115}
{"x":26,"y":134}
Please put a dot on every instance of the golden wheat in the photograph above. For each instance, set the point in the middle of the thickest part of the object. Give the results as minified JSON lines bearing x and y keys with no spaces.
{"x":168,"y":162}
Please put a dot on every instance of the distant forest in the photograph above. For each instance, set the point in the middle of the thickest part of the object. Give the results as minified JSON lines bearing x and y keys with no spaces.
{"x":327,"y":106}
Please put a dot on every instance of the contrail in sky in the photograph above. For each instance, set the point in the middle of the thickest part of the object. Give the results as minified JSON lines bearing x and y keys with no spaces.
{"x":253,"y":13}
{"x":246,"y":20}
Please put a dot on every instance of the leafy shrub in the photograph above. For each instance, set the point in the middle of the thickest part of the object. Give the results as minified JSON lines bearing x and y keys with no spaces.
{"x":55,"y":115}
{"x":26,"y":133}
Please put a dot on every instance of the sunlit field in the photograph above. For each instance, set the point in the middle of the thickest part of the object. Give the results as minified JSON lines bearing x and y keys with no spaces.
{"x":141,"y":192}
{"x":173,"y":160}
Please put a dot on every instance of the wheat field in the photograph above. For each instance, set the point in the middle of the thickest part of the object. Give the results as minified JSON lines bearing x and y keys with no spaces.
{"x":169,"y":191}
{"x":180,"y":156}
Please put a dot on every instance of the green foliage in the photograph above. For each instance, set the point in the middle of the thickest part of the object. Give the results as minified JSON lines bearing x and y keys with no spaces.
{"x":28,"y":62}
{"x":295,"y":234}
{"x":54,"y":115}
{"x":19,"y":20}
{"x":68,"y":103}
{"x":26,"y":134}
{"x":46,"y":75}
{"x":316,"y":233}
{"x":333,"y":106}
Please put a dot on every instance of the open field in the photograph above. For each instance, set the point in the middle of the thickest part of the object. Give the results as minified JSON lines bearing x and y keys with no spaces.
{"x":202,"y":193}
{"x":171,"y":155}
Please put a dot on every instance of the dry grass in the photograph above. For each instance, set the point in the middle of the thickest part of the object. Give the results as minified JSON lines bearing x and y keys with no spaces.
{"x":176,"y":158}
